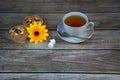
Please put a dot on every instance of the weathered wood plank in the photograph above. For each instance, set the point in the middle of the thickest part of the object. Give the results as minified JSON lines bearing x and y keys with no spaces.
{"x":90,"y":61}
{"x":101,"y":39}
{"x":59,"y":6}
{"x":101,"y":20}
{"x":55,"y":76}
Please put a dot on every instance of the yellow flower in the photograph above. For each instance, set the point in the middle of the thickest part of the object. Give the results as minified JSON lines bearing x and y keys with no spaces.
{"x":37,"y":32}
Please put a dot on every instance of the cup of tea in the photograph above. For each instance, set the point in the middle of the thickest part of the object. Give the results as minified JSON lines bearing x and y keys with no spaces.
{"x":77,"y":24}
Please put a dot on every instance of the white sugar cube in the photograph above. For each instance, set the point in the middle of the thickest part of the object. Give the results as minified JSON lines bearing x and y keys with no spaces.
{"x":51,"y":43}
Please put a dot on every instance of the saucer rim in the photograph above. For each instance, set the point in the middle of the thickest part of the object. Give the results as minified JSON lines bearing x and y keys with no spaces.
{"x":72,"y":38}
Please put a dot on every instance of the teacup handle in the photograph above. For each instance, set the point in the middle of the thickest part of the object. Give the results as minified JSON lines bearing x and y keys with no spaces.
{"x":90,"y":25}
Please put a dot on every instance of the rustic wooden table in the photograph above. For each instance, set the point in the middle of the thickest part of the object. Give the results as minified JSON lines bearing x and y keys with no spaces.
{"x":95,"y":59}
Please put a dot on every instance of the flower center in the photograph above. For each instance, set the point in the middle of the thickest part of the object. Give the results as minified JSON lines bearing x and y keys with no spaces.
{"x":36,"y":33}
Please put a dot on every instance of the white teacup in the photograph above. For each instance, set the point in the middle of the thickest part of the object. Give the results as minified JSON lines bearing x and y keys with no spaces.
{"x":75,"y":27}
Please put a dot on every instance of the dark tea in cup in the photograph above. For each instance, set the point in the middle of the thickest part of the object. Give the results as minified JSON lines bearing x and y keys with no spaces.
{"x":75,"y":21}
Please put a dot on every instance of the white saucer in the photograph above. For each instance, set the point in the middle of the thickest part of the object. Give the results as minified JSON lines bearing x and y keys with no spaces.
{"x":74,"y":39}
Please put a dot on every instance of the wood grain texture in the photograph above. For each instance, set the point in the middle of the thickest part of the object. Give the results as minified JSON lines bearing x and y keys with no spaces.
{"x":87,"y":61}
{"x":101,"y":20}
{"x":58,"y":77}
{"x":101,"y":39}
{"x":95,"y":59}
{"x":48,"y":6}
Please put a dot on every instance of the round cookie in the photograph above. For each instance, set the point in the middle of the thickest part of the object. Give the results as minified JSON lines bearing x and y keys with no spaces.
{"x":18,"y":31}
{"x":30,"y":19}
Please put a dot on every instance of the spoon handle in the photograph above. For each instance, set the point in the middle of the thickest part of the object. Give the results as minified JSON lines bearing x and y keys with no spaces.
{"x":66,"y":35}
{"x":80,"y":37}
